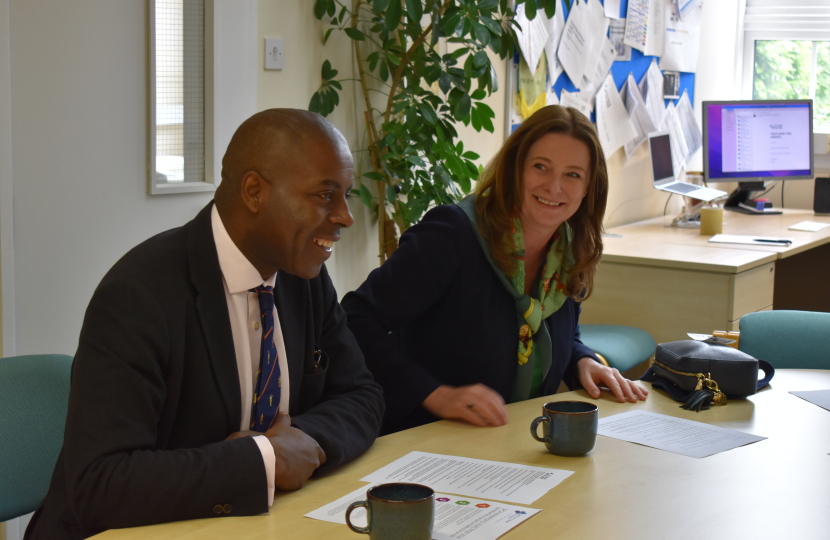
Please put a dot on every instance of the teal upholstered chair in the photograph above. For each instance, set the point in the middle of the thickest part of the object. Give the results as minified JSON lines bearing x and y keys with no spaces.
{"x":622,"y":347}
{"x":34,"y":392}
{"x":787,"y":339}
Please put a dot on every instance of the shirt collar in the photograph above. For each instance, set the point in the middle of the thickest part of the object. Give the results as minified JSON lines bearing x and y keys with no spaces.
{"x":240,"y":275}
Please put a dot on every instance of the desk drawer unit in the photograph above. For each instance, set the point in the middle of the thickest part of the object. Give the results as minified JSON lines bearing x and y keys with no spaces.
{"x":669,"y":302}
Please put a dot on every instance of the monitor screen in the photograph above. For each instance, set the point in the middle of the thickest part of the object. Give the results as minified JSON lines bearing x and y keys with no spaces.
{"x":750,"y":141}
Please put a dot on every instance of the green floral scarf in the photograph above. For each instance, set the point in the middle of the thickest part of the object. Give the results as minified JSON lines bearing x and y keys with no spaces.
{"x":530,"y":312}
{"x":551,"y":289}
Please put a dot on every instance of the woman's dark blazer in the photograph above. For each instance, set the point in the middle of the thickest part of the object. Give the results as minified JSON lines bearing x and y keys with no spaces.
{"x":436,"y":313}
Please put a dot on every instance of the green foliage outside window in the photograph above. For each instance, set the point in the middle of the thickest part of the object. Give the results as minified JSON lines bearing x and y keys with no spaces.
{"x":783,"y":70}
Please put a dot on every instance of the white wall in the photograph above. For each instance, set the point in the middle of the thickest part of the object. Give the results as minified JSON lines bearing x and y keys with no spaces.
{"x":79,"y":143}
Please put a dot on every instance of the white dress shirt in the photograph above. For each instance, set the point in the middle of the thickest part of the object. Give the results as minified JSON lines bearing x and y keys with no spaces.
{"x":239,"y":276}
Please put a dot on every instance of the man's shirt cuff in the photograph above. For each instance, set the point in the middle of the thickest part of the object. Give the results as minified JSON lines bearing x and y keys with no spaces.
{"x":270,"y":461}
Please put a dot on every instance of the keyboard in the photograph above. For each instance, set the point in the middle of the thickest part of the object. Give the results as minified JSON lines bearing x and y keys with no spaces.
{"x":681,"y":188}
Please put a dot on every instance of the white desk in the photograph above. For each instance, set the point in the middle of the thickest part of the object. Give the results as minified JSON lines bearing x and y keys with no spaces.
{"x":776,"y":488}
{"x":672,"y":280}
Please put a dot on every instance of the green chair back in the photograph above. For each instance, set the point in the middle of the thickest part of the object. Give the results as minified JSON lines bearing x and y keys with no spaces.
{"x":787,"y":339}
{"x":622,"y":346}
{"x":34,"y":392}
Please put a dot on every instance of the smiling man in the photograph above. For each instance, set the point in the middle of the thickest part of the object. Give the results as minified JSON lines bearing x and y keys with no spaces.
{"x":214,"y":363}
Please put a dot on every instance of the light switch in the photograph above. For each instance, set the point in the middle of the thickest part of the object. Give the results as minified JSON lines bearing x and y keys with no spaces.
{"x":274,"y":53}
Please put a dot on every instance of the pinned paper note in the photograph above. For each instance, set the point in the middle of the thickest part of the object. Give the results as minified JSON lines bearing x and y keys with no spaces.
{"x":533,"y":93}
{"x":682,"y":42}
{"x":533,"y":35}
{"x":640,"y":119}
{"x":613,"y":125}
{"x":574,"y":99}
{"x":554,"y":26}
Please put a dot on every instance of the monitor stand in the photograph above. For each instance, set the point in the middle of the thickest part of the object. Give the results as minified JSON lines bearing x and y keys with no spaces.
{"x":737,"y":201}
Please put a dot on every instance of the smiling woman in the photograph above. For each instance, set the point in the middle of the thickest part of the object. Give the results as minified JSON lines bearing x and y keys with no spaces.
{"x":495,"y":282}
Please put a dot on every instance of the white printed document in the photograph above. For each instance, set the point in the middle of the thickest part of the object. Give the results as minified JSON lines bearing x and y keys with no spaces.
{"x":682,"y":41}
{"x":576,"y":43}
{"x":639,"y":117}
{"x":816,"y":397}
{"x":809,"y":226}
{"x":644,"y":26}
{"x":455,"y":517}
{"x":769,"y":241}
{"x":677,"y":435}
{"x":495,"y":480}
{"x":574,"y":99}
{"x":554,"y":27}
{"x":533,"y":35}
{"x":613,"y":125}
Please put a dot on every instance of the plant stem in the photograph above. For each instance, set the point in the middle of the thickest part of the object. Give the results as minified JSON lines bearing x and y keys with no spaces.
{"x":405,"y":60}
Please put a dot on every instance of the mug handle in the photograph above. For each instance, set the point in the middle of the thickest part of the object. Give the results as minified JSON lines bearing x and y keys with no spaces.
{"x":535,"y":424}
{"x":364,"y":504}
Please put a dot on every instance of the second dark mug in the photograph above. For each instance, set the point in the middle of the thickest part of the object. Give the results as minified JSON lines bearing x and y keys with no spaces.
{"x":398,"y":511}
{"x":569,"y":427}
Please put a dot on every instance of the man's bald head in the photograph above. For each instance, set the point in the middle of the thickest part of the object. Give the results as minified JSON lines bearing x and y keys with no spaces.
{"x":271,"y":142}
{"x":286,"y":180}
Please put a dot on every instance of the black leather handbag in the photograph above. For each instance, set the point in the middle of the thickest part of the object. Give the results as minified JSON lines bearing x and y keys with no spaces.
{"x":700,"y":374}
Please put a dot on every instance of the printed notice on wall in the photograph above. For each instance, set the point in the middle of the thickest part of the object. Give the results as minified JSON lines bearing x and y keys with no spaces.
{"x":495,"y":480}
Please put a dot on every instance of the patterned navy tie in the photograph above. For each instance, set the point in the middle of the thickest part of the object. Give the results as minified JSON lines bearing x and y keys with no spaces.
{"x":266,"y":405}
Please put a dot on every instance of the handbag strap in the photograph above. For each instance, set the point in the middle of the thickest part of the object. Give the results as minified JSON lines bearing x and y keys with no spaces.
{"x":769,"y":371}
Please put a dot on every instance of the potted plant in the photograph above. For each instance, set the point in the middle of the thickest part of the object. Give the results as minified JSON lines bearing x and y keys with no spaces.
{"x":414,"y":95}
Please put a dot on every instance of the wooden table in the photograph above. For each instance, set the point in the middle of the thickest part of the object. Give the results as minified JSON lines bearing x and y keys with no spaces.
{"x":673,"y":280}
{"x":776,"y":488}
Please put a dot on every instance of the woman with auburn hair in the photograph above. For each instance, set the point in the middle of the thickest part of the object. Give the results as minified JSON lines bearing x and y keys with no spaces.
{"x":480,"y":303}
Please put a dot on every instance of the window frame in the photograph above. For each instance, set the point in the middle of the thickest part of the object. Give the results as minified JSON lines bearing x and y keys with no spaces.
{"x":808,"y":20}
{"x":208,"y":184}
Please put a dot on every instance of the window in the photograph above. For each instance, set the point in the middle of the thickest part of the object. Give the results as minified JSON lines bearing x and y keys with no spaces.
{"x":178,"y":113}
{"x":786,"y":54}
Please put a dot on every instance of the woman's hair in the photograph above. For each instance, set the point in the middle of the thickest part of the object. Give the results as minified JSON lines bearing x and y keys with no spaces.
{"x":500,"y":190}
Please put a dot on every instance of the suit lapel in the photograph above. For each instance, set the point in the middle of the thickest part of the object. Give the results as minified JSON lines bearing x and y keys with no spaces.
{"x":212,"y":308}
{"x":291,"y":306}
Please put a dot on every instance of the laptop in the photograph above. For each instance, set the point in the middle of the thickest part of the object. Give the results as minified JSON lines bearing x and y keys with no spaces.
{"x":663,"y":174}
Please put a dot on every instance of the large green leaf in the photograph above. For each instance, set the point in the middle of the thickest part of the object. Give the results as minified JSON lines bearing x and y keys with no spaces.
{"x":365,"y":195}
{"x":355,"y":34}
{"x":415,"y":10}
{"x":320,"y":8}
{"x":393,"y":15}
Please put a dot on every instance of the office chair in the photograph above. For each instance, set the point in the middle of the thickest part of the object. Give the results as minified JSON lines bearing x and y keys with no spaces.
{"x":34,"y":392}
{"x":787,"y":339}
{"x":621,"y":347}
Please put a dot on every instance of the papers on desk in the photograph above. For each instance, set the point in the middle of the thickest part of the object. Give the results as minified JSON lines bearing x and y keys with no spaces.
{"x":496,"y":480}
{"x":809,"y":226}
{"x":677,"y":435}
{"x":816,"y":397}
{"x":770,"y":241}
{"x":455,"y":517}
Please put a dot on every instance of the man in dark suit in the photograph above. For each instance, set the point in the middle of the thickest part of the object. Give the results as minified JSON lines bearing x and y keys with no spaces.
{"x":163,"y":423}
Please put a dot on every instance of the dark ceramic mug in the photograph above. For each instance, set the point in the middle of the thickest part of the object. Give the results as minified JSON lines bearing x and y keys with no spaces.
{"x":397,"y":511}
{"x":569,"y":427}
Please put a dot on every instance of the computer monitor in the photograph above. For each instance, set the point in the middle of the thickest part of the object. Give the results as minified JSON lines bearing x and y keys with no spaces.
{"x":751,"y":142}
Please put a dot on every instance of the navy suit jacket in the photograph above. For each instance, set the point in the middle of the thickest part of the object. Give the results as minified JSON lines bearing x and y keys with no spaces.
{"x":155,"y":392}
{"x":436,"y":313}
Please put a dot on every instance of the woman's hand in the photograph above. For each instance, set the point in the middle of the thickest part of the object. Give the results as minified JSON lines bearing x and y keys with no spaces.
{"x":477,"y":404}
{"x":592,"y":373}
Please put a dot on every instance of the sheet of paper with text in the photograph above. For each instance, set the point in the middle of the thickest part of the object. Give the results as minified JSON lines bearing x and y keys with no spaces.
{"x":494,"y":480}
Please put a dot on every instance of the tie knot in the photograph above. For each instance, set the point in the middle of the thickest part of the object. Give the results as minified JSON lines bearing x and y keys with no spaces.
{"x":266,"y":296}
